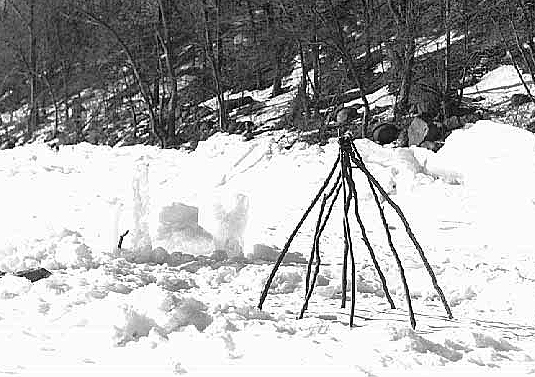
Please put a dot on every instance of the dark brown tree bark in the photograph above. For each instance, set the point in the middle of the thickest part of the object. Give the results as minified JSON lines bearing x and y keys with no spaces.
{"x":447,"y":28}
{"x":215,"y":65}
{"x":167,"y":47}
{"x":403,"y":14}
{"x":316,"y":63}
{"x":32,"y":124}
{"x":352,"y":72}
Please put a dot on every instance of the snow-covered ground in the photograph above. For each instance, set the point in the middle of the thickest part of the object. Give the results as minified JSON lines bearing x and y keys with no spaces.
{"x":498,"y":85}
{"x":147,"y":309}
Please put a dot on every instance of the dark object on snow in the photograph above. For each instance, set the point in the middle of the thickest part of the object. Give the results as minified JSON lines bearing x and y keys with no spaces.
{"x":453,"y":123}
{"x":348,"y":160}
{"x":241,"y":127}
{"x":32,"y":275}
{"x":54,"y":146}
{"x":385,"y":133}
{"x":121,"y":238}
{"x":469,"y":118}
{"x":518,"y":99}
{"x":345,"y":115}
{"x":234,"y":103}
{"x":403,"y":138}
{"x":420,"y":131}
{"x":431,"y":145}
{"x":10,"y":144}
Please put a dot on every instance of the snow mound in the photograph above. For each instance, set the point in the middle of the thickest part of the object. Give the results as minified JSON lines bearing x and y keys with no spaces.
{"x":419,"y":344}
{"x":250,"y":278}
{"x":244,"y":312}
{"x":487,"y":341}
{"x":125,"y":318}
{"x":491,"y":159}
{"x":72,"y":252}
{"x":64,"y":249}
{"x":133,"y":325}
{"x":12,"y":286}
{"x":286,"y":282}
{"x":481,"y":153}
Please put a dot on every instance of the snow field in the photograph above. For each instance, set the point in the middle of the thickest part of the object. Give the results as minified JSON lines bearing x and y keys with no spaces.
{"x":149,"y":308}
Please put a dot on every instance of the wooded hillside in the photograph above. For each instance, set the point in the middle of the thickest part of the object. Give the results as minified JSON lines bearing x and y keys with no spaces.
{"x":146,"y":67}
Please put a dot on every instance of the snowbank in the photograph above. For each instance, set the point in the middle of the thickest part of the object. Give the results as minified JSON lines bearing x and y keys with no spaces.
{"x":499,"y":85}
{"x":496,"y":162}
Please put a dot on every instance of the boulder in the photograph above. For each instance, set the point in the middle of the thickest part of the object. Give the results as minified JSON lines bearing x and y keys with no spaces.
{"x":235,"y":103}
{"x":469,"y":118}
{"x":385,"y":133}
{"x":419,"y":131}
{"x":452,"y":123}
{"x":345,"y":115}
{"x":519,"y":99}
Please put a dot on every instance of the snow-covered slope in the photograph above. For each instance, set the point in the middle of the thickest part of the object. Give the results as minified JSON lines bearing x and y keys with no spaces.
{"x":143,"y":310}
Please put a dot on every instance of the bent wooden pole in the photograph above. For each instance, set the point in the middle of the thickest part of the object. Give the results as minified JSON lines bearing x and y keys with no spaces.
{"x":347,"y":234}
{"x":396,"y":256}
{"x":292,"y":236}
{"x":316,"y":249}
{"x":367,"y":241}
{"x":320,"y":225}
{"x":360,"y":165}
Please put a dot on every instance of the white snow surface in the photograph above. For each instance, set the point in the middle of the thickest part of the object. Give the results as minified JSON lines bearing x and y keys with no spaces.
{"x":142,"y":310}
{"x":498,"y":85}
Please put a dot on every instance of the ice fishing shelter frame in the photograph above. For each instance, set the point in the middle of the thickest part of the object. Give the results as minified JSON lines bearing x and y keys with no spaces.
{"x":348,"y":155}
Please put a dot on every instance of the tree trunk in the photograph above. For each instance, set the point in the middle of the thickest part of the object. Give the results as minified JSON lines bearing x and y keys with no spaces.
{"x":258,"y":72}
{"x":66,"y":97}
{"x":465,"y":53}
{"x":32,"y":123}
{"x":277,"y":78}
{"x":132,"y":107}
{"x":367,"y":39}
{"x":278,"y":50}
{"x":445,"y":95}
{"x":404,"y":19}
{"x":56,"y":107}
{"x":169,"y":59}
{"x":316,"y":64}
{"x":216,"y":70}
{"x":303,"y":91}
{"x":351,"y":71}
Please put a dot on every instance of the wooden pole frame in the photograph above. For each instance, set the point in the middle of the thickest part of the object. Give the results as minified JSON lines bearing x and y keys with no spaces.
{"x":348,"y":159}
